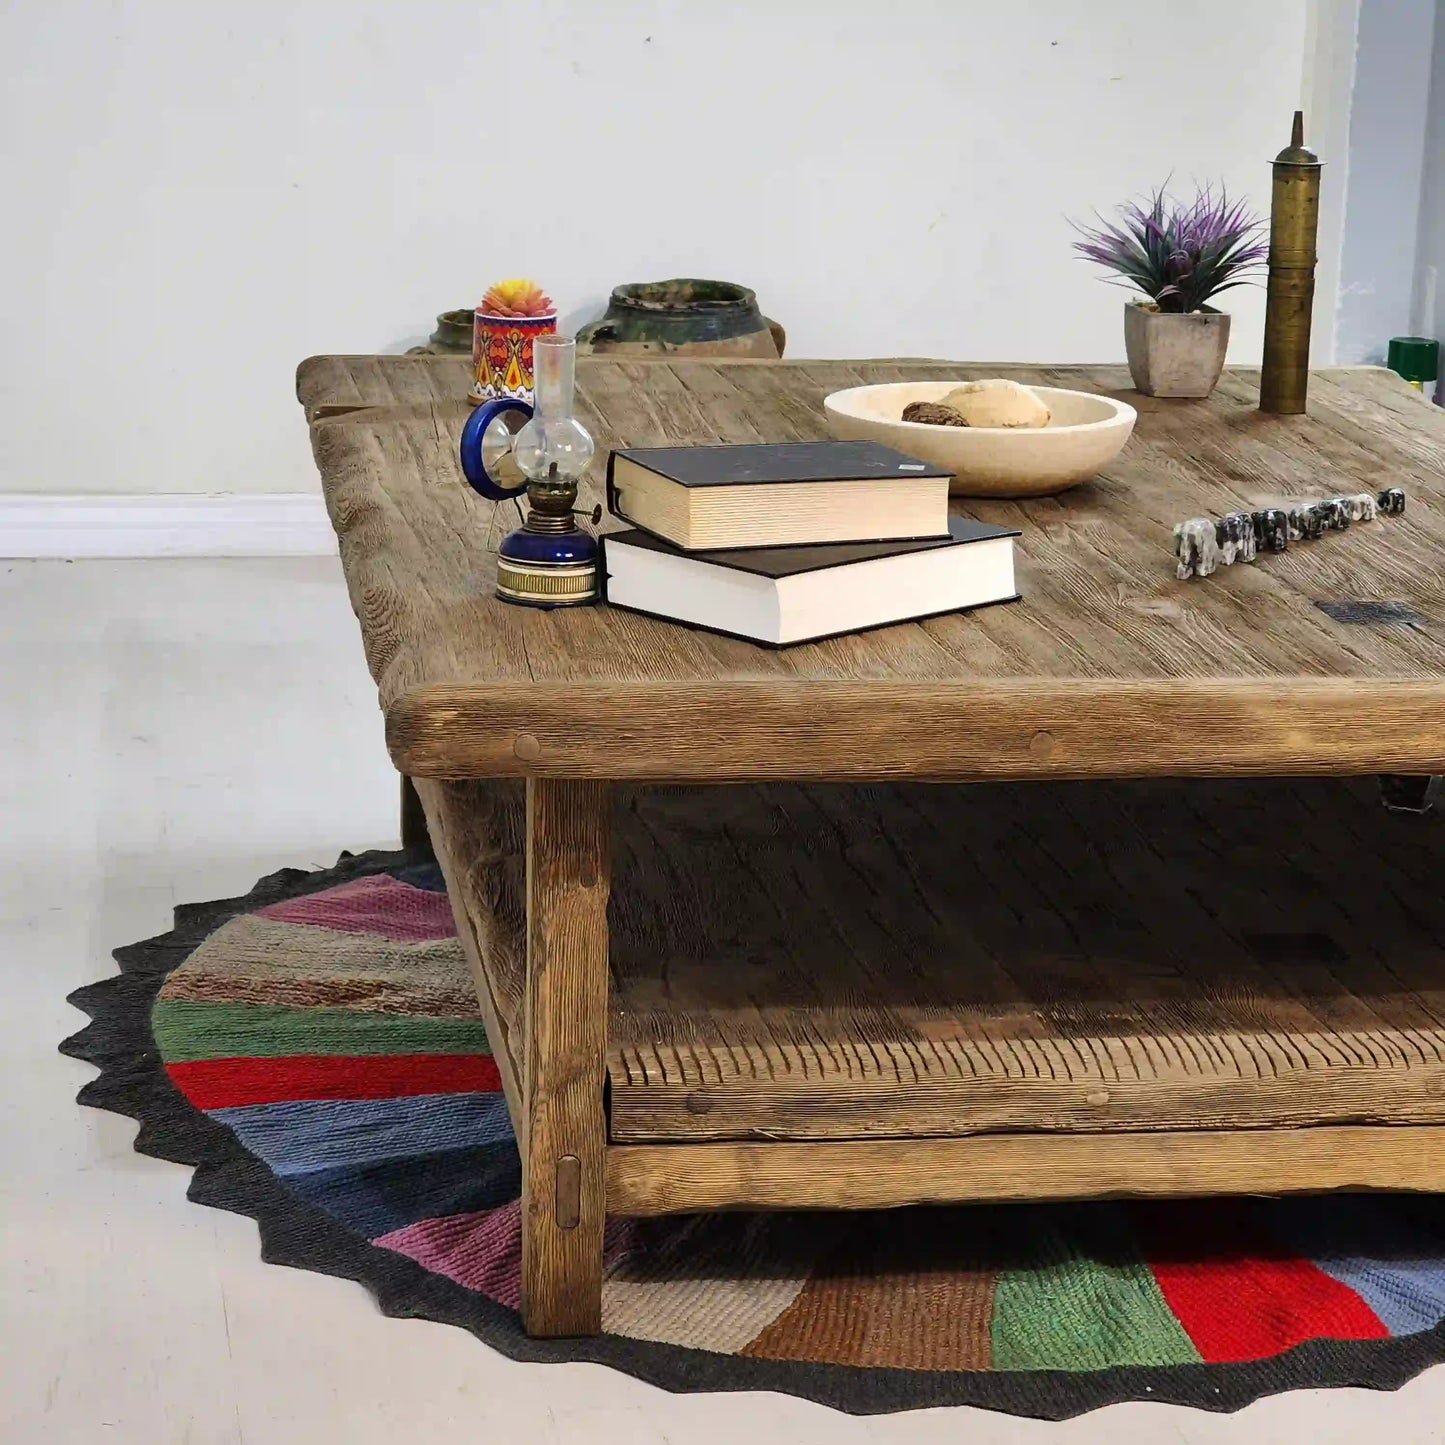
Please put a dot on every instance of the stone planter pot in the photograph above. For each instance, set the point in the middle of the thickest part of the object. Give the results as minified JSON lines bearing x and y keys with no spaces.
{"x":1174,"y":354}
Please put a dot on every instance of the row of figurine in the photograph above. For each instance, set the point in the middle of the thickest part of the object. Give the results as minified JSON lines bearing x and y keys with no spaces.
{"x":1202,"y":544}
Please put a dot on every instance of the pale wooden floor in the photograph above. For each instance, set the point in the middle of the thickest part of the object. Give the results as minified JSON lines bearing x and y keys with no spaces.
{"x":168,"y":731}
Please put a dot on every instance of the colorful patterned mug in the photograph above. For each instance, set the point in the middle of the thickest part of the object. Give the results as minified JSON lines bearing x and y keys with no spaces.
{"x":502,"y":355}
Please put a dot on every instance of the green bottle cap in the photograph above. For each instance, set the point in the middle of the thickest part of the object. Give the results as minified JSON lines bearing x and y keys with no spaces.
{"x":1416,"y":358}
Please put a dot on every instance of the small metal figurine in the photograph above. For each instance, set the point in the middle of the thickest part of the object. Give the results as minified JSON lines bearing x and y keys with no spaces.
{"x":1363,"y":507}
{"x":1294,"y":223}
{"x":1392,"y":501}
{"x":1337,"y":514}
{"x":549,"y":561}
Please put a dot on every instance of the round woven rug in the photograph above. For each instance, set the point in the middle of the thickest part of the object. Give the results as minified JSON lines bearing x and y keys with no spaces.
{"x":313,"y":1050}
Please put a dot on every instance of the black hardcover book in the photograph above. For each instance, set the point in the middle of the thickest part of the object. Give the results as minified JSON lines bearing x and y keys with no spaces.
{"x":782,"y":595}
{"x":777,"y":494}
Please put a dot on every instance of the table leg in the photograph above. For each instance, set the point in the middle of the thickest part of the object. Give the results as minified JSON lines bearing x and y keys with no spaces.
{"x":1409,"y":792}
{"x":414,"y":835}
{"x":563,"y":1185}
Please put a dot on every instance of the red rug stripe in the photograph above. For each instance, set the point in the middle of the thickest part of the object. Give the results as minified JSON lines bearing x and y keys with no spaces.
{"x":233,"y":1083}
{"x":1237,"y":1294}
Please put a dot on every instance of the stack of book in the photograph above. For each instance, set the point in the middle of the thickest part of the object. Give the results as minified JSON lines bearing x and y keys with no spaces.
{"x":790,"y":542}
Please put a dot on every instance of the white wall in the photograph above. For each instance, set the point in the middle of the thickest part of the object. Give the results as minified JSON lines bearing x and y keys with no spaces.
{"x":1384,"y":175}
{"x":1375,"y":78}
{"x":202,"y":194}
{"x":1427,"y":317}
{"x":1331,"y":49}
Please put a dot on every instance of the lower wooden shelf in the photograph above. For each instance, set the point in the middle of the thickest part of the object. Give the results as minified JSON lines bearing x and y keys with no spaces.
{"x":884,"y":1173}
{"x":811,"y":963}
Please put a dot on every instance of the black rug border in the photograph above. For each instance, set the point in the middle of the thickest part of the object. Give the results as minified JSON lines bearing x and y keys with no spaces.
{"x":132,"y":1081}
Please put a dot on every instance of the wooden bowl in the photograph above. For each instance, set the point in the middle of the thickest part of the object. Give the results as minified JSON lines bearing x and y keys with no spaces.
{"x":1085,"y":434}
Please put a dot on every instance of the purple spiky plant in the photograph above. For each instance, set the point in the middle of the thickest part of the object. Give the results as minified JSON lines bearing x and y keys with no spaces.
{"x":1179,"y":254}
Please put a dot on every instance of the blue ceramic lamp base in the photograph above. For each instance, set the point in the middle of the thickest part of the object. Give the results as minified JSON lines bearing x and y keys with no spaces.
{"x":540,"y":569}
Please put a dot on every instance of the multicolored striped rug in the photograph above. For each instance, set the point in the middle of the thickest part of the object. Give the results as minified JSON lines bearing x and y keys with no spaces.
{"x":313,"y":1050}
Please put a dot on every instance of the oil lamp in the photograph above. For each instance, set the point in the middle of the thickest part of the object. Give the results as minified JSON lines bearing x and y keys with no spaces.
{"x":549,"y":561}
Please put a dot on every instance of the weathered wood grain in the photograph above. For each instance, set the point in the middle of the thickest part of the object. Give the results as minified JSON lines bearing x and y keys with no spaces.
{"x":563,"y":1178}
{"x":881,"y":728}
{"x":478,"y":842}
{"x":328,"y":385}
{"x":1102,"y":612}
{"x":812,"y":962}
{"x":879,"y":1174}
{"x":414,"y":835}
{"x":916,"y":993}
{"x":371,"y":380}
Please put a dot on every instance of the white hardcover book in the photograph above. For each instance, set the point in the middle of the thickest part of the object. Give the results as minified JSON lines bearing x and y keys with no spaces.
{"x":782,"y":595}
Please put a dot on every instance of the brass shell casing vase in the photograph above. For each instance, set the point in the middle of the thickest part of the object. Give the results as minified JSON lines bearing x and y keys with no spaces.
{"x":1294,"y":223}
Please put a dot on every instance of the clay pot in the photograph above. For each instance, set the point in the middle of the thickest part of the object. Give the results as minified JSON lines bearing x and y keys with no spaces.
{"x":683,"y":317}
{"x":453,"y":336}
{"x":1172,"y":353}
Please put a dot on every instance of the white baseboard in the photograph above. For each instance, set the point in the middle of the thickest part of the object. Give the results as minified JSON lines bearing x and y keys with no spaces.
{"x":282,"y":524}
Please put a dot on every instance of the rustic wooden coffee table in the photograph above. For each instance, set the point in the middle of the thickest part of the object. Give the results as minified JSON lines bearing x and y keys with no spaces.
{"x":834,"y":985}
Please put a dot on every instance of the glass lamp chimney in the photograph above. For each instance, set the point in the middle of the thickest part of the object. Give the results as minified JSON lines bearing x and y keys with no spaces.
{"x":553,"y":449}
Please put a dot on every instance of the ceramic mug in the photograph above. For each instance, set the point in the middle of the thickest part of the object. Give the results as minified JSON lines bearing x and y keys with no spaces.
{"x":502,"y":355}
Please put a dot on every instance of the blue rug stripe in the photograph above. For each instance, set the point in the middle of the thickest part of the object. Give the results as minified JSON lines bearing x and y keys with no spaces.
{"x":1372,"y":1246}
{"x":374,"y":1199}
{"x":307,"y":1134}
{"x":427,"y":876}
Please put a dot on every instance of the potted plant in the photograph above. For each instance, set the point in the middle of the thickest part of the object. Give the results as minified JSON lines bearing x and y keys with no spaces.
{"x":1179,"y":254}
{"x":509,"y":319}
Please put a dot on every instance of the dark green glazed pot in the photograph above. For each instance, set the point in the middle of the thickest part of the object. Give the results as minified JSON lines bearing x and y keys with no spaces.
{"x":683,"y":317}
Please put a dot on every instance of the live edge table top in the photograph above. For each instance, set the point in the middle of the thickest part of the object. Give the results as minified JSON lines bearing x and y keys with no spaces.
{"x":1108,"y":666}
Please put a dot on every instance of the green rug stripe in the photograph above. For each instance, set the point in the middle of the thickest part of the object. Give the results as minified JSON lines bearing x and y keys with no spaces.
{"x":1083,"y":1298}
{"x":186,"y":1029}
